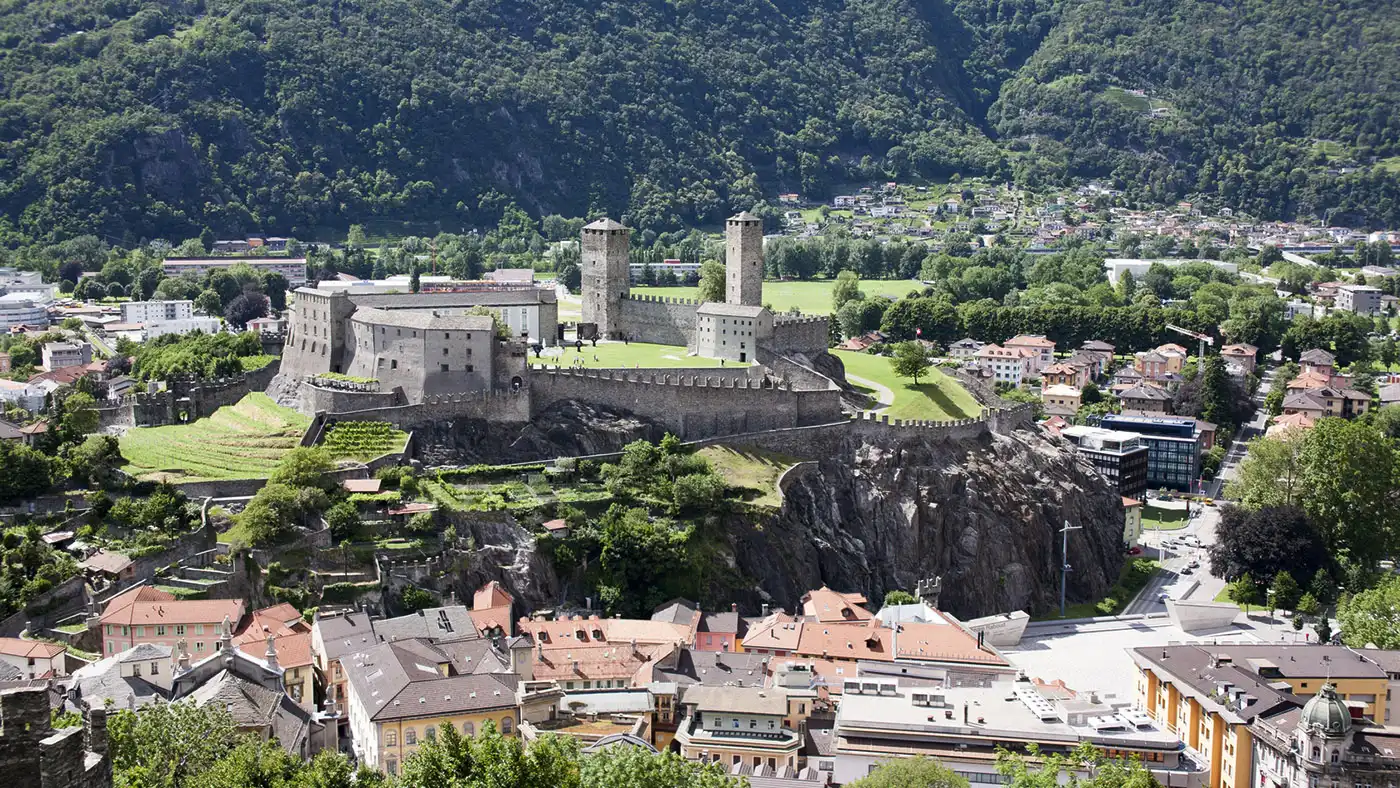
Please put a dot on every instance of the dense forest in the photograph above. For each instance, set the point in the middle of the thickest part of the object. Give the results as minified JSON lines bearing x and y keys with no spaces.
{"x":137,"y":119}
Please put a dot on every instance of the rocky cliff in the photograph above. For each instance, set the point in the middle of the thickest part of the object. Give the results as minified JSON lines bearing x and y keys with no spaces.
{"x":984,"y":514}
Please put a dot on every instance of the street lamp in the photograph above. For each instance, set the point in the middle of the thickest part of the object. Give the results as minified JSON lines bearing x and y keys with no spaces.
{"x":1064,"y":560}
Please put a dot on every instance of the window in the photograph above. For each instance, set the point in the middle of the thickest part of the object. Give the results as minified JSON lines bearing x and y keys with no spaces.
{"x":140,"y":632}
{"x":736,"y":724}
{"x":199,"y":645}
{"x":444,"y":351}
{"x":469,"y":366}
{"x":394,"y":364}
{"x":199,"y":629}
{"x":431,"y":733}
{"x":736,"y":760}
{"x":410,"y":736}
{"x":160,"y":629}
{"x":155,"y":668}
{"x":136,"y":669}
{"x":446,"y":335}
{"x":468,"y":729}
{"x":506,"y":724}
{"x":753,"y":724}
{"x":179,"y":629}
{"x":392,"y":765}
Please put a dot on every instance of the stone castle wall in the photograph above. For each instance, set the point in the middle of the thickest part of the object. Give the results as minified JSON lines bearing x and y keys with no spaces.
{"x":660,"y":320}
{"x":497,"y":406}
{"x":34,"y":755}
{"x":312,"y":397}
{"x":690,"y":405}
{"x":800,"y":334}
{"x":194,"y":400}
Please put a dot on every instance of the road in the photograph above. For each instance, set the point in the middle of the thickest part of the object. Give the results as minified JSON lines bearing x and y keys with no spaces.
{"x":884,"y":395}
{"x":1176,"y":551}
{"x":1248,"y":431}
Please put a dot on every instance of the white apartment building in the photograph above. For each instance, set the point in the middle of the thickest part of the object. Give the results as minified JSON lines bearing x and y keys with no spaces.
{"x":149,"y":312}
{"x":57,"y":355}
{"x":293,"y":268}
{"x":1008,"y":364}
{"x":1360,"y":299}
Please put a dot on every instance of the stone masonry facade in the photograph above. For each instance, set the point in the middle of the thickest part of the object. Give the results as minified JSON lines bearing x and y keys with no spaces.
{"x":34,"y":755}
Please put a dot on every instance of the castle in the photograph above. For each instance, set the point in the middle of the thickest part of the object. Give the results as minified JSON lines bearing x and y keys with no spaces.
{"x":360,"y":352}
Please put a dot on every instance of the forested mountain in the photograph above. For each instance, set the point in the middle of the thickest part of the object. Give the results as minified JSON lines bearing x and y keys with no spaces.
{"x":146,"y":118}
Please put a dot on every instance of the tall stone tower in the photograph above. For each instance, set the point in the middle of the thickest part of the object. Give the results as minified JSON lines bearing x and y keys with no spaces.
{"x":605,"y":274}
{"x":743,"y":260}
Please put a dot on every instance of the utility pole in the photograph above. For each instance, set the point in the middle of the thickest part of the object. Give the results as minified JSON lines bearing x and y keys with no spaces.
{"x":1064,"y":561}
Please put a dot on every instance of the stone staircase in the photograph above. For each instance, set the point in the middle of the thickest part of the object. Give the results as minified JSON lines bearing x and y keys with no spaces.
{"x":198,"y":576}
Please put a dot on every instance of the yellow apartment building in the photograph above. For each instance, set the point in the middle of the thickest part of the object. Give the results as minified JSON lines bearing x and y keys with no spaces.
{"x":1209,"y":694}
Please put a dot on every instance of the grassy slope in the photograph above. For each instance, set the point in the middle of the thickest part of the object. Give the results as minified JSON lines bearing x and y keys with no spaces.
{"x":241,"y":441}
{"x":750,"y":469}
{"x":616,"y":355}
{"x":937,"y":396}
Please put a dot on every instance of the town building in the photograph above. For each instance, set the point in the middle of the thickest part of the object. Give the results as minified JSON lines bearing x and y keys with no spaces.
{"x":292,"y":640}
{"x":1116,"y":267}
{"x":149,"y":615}
{"x":129,"y":679}
{"x":1120,"y":456}
{"x":36,"y":659}
{"x":737,"y":725}
{"x":1146,"y":400}
{"x":30,"y":283}
{"x":1103,"y":351}
{"x":1008,"y":365}
{"x":1317,"y":361}
{"x":1324,"y":743}
{"x":1151,"y":364}
{"x":1240,"y":356}
{"x":1174,"y":446}
{"x":963,"y":724}
{"x":1043,"y":350}
{"x":56,"y":355}
{"x":964,"y":348}
{"x":1061,"y":400}
{"x":1359,"y":299}
{"x":1132,"y":520}
{"x":402,"y":694}
{"x":22,"y":309}
{"x":293,"y":268}
{"x":1317,"y":403}
{"x":23,"y":395}
{"x":1064,"y":373}
{"x":1210,"y":695}
{"x":149,"y":312}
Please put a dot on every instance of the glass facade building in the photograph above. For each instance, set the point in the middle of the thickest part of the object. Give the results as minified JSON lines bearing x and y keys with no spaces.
{"x":1120,"y":456}
{"x":1173,"y":448}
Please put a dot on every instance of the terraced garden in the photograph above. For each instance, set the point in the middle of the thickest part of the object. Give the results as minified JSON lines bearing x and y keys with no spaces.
{"x":240,"y":441}
{"x":363,"y":440}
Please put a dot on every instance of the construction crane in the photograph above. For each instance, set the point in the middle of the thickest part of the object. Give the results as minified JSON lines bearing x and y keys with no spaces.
{"x":1202,"y":341}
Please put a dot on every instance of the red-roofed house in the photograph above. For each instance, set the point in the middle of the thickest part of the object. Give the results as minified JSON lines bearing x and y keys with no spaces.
{"x":491,"y":610}
{"x":36,"y":659}
{"x":1132,"y":521}
{"x":1044,"y":350}
{"x":291,"y":640}
{"x":829,"y":606}
{"x":147,"y":615}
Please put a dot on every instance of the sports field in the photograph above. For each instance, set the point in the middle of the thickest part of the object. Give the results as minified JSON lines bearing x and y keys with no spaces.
{"x":240,"y":441}
{"x":937,"y":396}
{"x":813,"y":298}
{"x":617,"y":355}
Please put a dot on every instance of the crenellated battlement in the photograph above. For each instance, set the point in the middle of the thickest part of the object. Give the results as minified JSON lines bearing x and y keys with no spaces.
{"x":473,"y":396}
{"x":624,"y":376}
{"x":661,"y":299}
{"x":797,"y":320}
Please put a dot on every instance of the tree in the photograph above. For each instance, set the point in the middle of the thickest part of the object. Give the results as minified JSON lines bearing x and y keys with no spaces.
{"x":712,"y":282}
{"x":1348,"y":479}
{"x":168,"y":745}
{"x":921,"y":772}
{"x":248,"y":306}
{"x":630,"y":767}
{"x":94,"y":461}
{"x":899,"y":597}
{"x":1371,"y":619}
{"x":1058,"y":769}
{"x":304,"y":467}
{"x":1323,"y":587}
{"x":207,"y":238}
{"x":355,"y":238}
{"x":344,"y":520}
{"x":1244,"y":591}
{"x":910,"y":360}
{"x":1285,"y":591}
{"x":77,"y":416}
{"x":27,"y":472}
{"x":846,"y":288}
{"x":414,"y":599}
{"x":489,"y":759}
{"x":1270,"y":474}
{"x":1266,"y":542}
{"x":1308,"y":604}
{"x":209,"y":303}
{"x":1323,"y":629}
{"x":414,"y":280}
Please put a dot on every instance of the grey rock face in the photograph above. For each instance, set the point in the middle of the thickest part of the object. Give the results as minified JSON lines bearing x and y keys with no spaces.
{"x":569,"y":429}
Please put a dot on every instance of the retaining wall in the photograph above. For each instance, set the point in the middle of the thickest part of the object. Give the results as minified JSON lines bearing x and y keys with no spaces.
{"x":664,"y":321}
{"x":690,"y":406}
{"x":311,"y":398}
{"x":500,"y":406}
{"x":48,"y":608}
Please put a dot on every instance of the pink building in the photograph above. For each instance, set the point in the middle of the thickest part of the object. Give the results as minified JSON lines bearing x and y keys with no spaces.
{"x":149,"y":615}
{"x":720,"y":631}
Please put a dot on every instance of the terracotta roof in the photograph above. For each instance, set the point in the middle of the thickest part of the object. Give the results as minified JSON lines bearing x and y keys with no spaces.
{"x":590,"y":663}
{"x":1171,"y":348}
{"x":37,"y":649}
{"x":556,"y":525}
{"x":493,"y":594}
{"x":37,"y":428}
{"x":777,"y":632}
{"x":826,"y":605}
{"x":1311,"y":379}
{"x":1290,"y":421}
{"x":106,"y":561}
{"x":62,"y":374}
{"x":188,"y":611}
{"x":1241,"y":349}
{"x":946,"y":642}
{"x":413,"y":508}
{"x":293,"y":650}
{"x":851,"y":641}
{"x":1033,"y":340}
{"x":1060,"y":368}
{"x":277,"y":620}
{"x":1130,"y":502}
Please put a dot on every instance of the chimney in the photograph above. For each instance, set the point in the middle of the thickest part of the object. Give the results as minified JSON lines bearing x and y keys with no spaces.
{"x":964,"y":712}
{"x":734,"y":607}
{"x":765,"y":610}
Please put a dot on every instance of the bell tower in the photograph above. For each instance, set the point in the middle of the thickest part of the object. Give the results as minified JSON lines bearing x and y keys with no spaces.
{"x":743,"y":260}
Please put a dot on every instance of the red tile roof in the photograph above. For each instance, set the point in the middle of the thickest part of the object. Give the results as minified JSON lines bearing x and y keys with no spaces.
{"x":37,"y":649}
{"x":362,"y":485}
{"x":827,"y":605}
{"x":189,"y":611}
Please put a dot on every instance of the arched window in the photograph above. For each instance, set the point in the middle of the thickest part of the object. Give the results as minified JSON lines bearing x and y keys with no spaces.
{"x":468,"y":729}
{"x":1336,"y":756}
{"x":391,"y":738}
{"x":506,"y":722}
{"x":1316,"y":753}
{"x":410,"y":736}
{"x":431,"y":733}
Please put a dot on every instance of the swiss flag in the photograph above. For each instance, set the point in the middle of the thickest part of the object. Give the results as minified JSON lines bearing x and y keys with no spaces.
{"x":918,"y":332}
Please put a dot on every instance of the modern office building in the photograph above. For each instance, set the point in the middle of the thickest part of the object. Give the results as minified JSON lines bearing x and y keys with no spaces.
{"x":1173,"y":447}
{"x":1120,"y":456}
{"x":1360,"y":299}
{"x":149,"y":312}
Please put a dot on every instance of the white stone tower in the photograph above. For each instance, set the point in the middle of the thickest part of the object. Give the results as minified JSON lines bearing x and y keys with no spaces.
{"x":743,"y":260}
{"x":606,"y":275}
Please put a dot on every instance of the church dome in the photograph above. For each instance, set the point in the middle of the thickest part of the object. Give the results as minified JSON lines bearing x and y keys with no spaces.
{"x":1325,"y":713}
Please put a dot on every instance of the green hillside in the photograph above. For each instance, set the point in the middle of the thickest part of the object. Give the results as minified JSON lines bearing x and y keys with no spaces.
{"x":133,"y":119}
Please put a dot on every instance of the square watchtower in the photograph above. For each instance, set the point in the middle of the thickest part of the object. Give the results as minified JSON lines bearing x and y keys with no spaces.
{"x":743,"y":260}
{"x":606,"y":275}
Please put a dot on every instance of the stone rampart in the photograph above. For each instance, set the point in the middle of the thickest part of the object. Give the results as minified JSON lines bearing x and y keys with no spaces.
{"x":499,"y":406}
{"x":48,"y":608}
{"x":664,"y":321}
{"x":690,"y":405}
{"x":793,"y":370}
{"x":313,"y":398}
{"x":185,"y":400}
{"x":800,"y":333}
